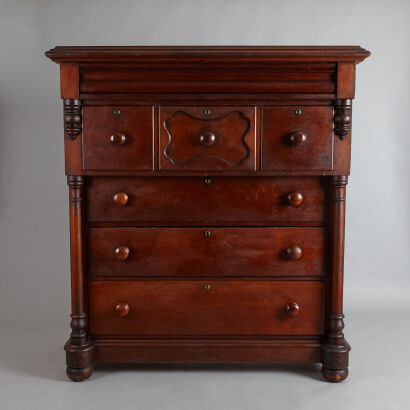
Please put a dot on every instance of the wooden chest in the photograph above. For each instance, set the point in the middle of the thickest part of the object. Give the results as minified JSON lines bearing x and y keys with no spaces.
{"x":207,"y":202}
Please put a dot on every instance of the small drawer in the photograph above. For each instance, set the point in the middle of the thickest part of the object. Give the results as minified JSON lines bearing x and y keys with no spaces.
{"x":297,"y":138}
{"x":206,"y":251}
{"x":206,"y":308}
{"x":118,"y":138}
{"x":206,"y":200}
{"x":207,"y":138}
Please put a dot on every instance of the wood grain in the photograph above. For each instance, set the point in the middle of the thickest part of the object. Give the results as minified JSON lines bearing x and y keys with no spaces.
{"x":192,"y":201}
{"x":183,"y":308}
{"x":207,"y":251}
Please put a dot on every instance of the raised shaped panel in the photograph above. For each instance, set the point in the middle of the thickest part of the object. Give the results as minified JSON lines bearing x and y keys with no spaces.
{"x":207,"y":138}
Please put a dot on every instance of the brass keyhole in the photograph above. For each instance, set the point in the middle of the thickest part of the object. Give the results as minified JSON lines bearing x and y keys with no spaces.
{"x":207,"y":287}
{"x":207,"y":181}
{"x":116,"y":111}
{"x":298,"y":111}
{"x":207,"y":111}
{"x":207,"y":234}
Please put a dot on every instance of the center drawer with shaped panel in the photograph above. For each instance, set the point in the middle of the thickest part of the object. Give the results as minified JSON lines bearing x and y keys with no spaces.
{"x":118,"y":138}
{"x":207,"y":138}
{"x":207,"y":251}
{"x":207,"y":200}
{"x":206,"y":308}
{"x":297,"y":138}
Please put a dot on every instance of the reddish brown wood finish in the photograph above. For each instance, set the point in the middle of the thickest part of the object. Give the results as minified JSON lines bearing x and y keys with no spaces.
{"x":336,"y":349}
{"x":207,"y":251}
{"x":214,"y":208}
{"x":117,"y":138}
{"x":184,"y":308}
{"x":292,"y":141}
{"x":226,"y":350}
{"x":79,"y":348}
{"x":309,"y":78}
{"x":206,"y":55}
{"x":207,"y":138}
{"x":206,"y":200}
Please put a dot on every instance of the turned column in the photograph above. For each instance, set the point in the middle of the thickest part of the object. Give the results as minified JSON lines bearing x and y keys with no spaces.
{"x":79,"y":350}
{"x":335,"y":353}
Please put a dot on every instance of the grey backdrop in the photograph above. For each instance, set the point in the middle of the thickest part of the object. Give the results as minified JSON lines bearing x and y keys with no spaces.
{"x":34,"y":257}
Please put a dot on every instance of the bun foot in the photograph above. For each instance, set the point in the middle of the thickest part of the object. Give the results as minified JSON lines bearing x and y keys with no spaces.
{"x":333,"y":375}
{"x":79,"y":360}
{"x":78,"y":375}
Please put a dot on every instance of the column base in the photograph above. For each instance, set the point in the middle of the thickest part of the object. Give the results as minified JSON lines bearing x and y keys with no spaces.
{"x":79,"y":361}
{"x":335,"y":359}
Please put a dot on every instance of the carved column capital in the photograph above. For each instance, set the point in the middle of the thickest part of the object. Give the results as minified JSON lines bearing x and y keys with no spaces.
{"x":72,"y":117}
{"x":342,"y":119}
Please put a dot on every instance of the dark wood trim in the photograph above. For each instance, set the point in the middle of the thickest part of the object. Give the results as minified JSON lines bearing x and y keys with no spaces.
{"x":208,"y":54}
{"x":335,"y":352}
{"x":342,"y":117}
{"x":79,"y":349}
{"x":72,"y":117}
{"x":222,"y":351}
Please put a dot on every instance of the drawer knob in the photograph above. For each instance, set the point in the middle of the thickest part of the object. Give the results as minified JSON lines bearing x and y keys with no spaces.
{"x":295,"y":198}
{"x":297,"y":138}
{"x":120,"y":198}
{"x":207,"y":138}
{"x":118,"y":139}
{"x":294,"y":252}
{"x":122,"y":253}
{"x":292,"y":309}
{"x":122,"y":309}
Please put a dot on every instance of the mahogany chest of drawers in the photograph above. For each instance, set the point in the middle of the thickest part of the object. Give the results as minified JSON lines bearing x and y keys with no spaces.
{"x":207,"y":201}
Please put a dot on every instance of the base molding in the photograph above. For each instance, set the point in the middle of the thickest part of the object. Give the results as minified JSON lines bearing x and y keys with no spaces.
{"x":200,"y":351}
{"x":80,"y":359}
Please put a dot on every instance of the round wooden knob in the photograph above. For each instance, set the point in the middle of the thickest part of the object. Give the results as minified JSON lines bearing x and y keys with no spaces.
{"x":120,"y":198}
{"x":118,"y":139}
{"x":292,"y":309}
{"x":121,"y":253}
{"x":295,"y":198}
{"x":297,"y":138}
{"x":207,"y":138}
{"x":122,"y":309}
{"x":294,"y":252}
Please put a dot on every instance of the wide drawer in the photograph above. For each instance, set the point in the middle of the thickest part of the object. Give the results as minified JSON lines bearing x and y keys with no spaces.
{"x":206,"y":201}
{"x":206,"y":251}
{"x":206,"y":307}
{"x":297,"y":138}
{"x":118,"y":138}
{"x":207,"y":138}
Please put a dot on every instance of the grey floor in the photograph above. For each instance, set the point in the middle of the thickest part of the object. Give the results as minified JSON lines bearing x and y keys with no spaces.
{"x":32,"y":376}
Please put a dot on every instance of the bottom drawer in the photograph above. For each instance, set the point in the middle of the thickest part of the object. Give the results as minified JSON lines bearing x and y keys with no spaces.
{"x":199,"y":307}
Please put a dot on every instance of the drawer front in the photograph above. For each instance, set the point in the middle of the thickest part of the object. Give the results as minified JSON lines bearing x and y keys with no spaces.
{"x":118,"y":138}
{"x":206,"y":251}
{"x":297,"y":138}
{"x":208,"y":308}
{"x":206,"y":201}
{"x":207,"y":138}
